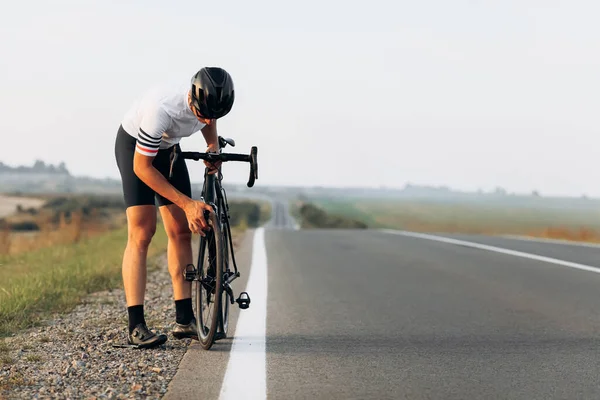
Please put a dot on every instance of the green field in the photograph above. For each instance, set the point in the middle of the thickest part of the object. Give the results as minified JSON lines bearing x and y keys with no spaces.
{"x":534,"y":218}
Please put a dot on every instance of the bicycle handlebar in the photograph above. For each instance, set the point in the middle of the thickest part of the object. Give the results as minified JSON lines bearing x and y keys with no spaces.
{"x":251,"y":158}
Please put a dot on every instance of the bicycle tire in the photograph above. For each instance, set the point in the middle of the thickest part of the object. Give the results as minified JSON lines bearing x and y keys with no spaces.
{"x":206,"y":336}
{"x":225,"y":303}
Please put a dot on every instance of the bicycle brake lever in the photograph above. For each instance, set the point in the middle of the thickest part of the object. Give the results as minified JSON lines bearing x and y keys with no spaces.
{"x":253,"y":166}
{"x":251,"y":179}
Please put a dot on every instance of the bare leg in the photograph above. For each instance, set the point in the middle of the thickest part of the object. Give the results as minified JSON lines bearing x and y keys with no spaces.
{"x":179,"y":249}
{"x":141,"y":224}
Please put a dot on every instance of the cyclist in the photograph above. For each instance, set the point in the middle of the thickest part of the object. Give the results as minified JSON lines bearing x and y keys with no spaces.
{"x":153,"y":125}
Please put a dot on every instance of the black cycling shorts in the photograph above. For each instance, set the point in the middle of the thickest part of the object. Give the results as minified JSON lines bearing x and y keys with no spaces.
{"x":135,"y":191}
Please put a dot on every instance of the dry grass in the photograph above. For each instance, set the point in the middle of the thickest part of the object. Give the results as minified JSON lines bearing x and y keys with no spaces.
{"x":5,"y":360}
{"x":5,"y":240}
{"x":9,"y":204}
{"x":68,"y":230}
{"x":4,"y":357}
{"x":582,"y":234}
{"x":33,"y":358}
{"x":487,"y":219}
{"x":576,"y":233}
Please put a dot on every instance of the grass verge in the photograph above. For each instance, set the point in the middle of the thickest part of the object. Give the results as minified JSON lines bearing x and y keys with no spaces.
{"x":4,"y":357}
{"x":57,"y":278}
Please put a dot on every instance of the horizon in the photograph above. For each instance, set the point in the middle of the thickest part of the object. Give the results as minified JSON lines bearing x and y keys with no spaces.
{"x":284,"y":186}
{"x":467,"y":95}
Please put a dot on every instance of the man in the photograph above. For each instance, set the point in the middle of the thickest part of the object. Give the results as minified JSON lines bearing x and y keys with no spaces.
{"x":152,"y":126}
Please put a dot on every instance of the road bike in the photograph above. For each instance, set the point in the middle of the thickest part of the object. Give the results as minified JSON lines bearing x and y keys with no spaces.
{"x":213,"y":276}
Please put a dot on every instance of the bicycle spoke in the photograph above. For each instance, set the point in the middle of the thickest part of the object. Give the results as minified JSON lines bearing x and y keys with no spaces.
{"x":209,"y":285}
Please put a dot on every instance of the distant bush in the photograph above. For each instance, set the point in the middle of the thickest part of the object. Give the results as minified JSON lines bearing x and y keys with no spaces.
{"x":315,"y":217}
{"x":245,"y":212}
{"x":23,"y":210}
{"x":84,"y":203}
{"x":24,"y":226}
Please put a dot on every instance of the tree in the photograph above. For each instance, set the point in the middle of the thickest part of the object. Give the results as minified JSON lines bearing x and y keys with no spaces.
{"x":62,"y":167}
{"x":500,"y":191}
{"x":39,"y":165}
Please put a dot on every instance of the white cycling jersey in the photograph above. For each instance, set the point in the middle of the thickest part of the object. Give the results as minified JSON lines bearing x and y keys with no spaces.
{"x":160,"y":118}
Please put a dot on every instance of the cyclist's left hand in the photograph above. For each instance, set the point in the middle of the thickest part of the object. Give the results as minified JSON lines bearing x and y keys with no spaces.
{"x":212,"y":167}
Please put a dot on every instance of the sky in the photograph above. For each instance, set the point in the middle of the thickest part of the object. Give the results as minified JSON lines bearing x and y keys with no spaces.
{"x":468,"y":94}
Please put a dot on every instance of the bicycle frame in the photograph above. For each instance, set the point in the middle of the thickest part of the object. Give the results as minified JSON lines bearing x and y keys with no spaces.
{"x":214,"y":194}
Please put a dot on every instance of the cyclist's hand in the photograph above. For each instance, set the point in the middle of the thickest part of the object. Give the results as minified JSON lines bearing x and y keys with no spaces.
{"x":212,"y":167}
{"x":194,"y":212}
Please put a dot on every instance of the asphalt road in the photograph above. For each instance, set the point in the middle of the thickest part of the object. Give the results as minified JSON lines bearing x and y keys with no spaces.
{"x":375,"y":315}
{"x":281,"y":218}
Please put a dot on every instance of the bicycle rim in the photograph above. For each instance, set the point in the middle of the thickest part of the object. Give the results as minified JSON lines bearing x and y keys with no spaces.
{"x":225,"y":300}
{"x":209,"y":285}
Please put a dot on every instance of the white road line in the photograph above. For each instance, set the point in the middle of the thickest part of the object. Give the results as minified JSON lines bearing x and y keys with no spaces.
{"x":495,"y":249}
{"x":246,"y":374}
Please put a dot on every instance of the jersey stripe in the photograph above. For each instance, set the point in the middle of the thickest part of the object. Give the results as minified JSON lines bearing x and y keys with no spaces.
{"x":145,"y":150}
{"x":149,"y":138}
{"x":148,"y":144}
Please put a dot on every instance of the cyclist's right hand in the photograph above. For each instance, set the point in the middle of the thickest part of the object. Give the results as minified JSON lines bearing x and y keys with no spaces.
{"x":194,"y":212}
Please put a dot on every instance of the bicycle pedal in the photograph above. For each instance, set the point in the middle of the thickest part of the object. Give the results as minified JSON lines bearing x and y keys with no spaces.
{"x":243,"y":301}
{"x":190,"y":275}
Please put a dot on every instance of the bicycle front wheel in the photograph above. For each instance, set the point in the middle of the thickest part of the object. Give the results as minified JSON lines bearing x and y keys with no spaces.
{"x":225,"y":299}
{"x":209,"y":285}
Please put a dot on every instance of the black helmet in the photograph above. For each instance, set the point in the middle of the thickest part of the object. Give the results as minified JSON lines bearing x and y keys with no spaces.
{"x":212,"y":92}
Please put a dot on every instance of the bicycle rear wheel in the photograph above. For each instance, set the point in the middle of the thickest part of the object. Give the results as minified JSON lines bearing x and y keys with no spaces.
{"x":209,"y":285}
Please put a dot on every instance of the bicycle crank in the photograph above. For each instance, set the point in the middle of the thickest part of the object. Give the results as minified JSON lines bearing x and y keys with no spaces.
{"x":227,"y":289}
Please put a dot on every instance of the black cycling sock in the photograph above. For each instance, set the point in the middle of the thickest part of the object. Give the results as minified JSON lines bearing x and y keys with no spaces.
{"x":136,"y":316}
{"x":183,"y":311}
